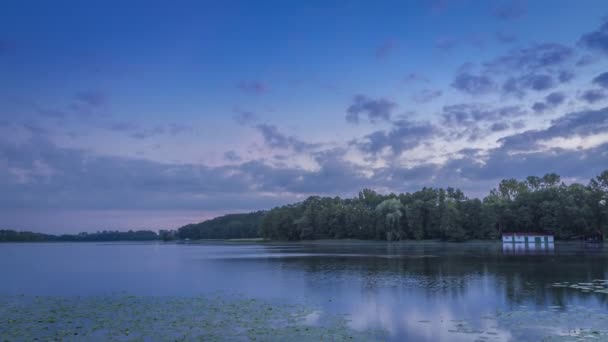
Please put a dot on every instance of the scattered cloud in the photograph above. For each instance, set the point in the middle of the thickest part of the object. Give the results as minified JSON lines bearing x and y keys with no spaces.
{"x":473,"y":84}
{"x":426,"y":95}
{"x":275,"y":139}
{"x":601,"y":80}
{"x":550,"y":102}
{"x":593,"y":95}
{"x":232,"y":156}
{"x":404,"y":135}
{"x":374,"y":109}
{"x":596,"y":41}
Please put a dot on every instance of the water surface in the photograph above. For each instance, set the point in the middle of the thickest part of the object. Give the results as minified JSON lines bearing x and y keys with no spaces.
{"x":411,"y":291}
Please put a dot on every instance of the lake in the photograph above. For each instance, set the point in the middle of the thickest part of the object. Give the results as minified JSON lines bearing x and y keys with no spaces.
{"x":392,"y":291}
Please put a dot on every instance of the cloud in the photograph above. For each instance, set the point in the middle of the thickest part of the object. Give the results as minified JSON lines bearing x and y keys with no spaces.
{"x":551,"y":101}
{"x":596,"y":41}
{"x":404,"y":135}
{"x":232,"y":156}
{"x":473,"y":84}
{"x":386,"y":49}
{"x":499,"y":126}
{"x":472,"y":113}
{"x":565,"y":76}
{"x":601,"y":80}
{"x":536,"y":58}
{"x":593,"y":95}
{"x":510,"y":10}
{"x":275,"y":139}
{"x":375,"y":109}
{"x":519,"y":86}
{"x":474,"y":121}
{"x":580,"y":124}
{"x":426,"y":95}
{"x":254,"y":87}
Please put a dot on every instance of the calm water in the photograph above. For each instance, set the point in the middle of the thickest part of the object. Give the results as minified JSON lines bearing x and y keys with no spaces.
{"x":417,"y":292}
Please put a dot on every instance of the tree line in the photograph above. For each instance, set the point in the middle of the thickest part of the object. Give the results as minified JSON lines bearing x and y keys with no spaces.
{"x":8,"y":235}
{"x":537,"y":204}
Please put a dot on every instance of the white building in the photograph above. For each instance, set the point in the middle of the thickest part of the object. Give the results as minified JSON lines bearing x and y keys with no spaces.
{"x":527,"y":238}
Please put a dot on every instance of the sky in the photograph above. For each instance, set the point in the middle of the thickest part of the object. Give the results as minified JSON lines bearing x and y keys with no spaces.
{"x":154,"y":114}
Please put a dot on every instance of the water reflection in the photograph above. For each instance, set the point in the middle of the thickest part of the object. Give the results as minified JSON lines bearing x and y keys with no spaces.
{"x":525,"y":248}
{"x":413,"y":291}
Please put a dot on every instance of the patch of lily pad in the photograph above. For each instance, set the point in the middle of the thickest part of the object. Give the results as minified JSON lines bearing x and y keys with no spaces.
{"x":595,"y":286}
{"x":570,"y":323}
{"x":140,"y":318}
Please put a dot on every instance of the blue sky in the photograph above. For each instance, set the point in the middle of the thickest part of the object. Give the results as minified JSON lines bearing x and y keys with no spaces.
{"x":153,"y":114}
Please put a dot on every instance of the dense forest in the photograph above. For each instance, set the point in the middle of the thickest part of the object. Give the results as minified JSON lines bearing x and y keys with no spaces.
{"x":536,"y":204}
{"x":139,"y":235}
{"x":542,"y":204}
{"x":231,"y":226}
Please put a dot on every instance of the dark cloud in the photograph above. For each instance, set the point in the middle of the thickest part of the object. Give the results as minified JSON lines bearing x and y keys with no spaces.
{"x":404,"y":135}
{"x":533,"y":59}
{"x":232,"y":156}
{"x":501,"y":163}
{"x":510,"y":10}
{"x":593,"y":95}
{"x":474,"y":120}
{"x":374,"y":109}
{"x":583,"y":123}
{"x":386,"y":49}
{"x":565,"y":76}
{"x":255,"y":87}
{"x":473,"y":84}
{"x":275,"y":139}
{"x":538,"y":82}
{"x":518,"y":87}
{"x":551,"y":101}
{"x":426,"y":95}
{"x":586,"y":60}
{"x":596,"y":41}
{"x":92,"y":98}
{"x":601,"y":80}
{"x":499,"y":126}
{"x":466,"y":114}
{"x":555,"y":98}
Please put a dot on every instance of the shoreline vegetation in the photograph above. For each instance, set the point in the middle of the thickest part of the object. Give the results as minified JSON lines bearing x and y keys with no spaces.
{"x":536,"y":204}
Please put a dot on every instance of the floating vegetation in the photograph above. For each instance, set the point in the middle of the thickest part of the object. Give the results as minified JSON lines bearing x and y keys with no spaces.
{"x":127,"y":318}
{"x":596,"y":286}
{"x":575,"y":324}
